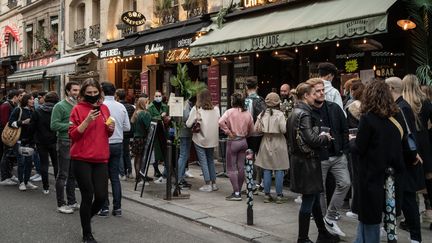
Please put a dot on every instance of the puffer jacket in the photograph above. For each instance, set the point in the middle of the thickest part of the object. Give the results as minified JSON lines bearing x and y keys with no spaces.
{"x":306,"y":176}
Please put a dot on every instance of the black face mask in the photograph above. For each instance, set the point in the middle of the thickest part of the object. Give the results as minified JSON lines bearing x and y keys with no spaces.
{"x":319,"y":102}
{"x":92,"y":99}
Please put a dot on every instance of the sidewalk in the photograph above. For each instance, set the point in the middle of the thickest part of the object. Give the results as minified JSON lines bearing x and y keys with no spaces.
{"x":272,"y":222}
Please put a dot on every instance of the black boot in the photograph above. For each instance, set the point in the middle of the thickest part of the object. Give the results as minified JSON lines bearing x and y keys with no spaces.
{"x":303,"y":232}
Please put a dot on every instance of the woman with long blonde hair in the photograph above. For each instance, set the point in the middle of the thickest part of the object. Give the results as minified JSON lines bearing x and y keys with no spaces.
{"x":422,"y":109}
{"x":140,"y":121}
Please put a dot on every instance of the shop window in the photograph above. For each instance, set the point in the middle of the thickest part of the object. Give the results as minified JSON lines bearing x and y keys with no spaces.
{"x":79,"y":34}
{"x":94,"y":29}
{"x":12,"y":3}
{"x":12,"y":46}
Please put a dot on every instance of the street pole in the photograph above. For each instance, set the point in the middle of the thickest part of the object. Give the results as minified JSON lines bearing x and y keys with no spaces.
{"x":249,"y":185}
{"x":168,"y":169}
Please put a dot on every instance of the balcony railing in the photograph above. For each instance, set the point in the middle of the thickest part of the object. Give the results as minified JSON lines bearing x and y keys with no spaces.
{"x":12,"y":3}
{"x":79,"y":36}
{"x":94,"y":32}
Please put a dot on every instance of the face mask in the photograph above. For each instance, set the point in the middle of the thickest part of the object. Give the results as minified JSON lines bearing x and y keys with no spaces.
{"x":158,"y":99}
{"x":92,"y":99}
{"x":74,"y":98}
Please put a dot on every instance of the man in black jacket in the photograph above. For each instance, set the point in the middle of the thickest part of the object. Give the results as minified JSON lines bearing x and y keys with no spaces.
{"x":333,"y":158}
{"x":412,"y":178}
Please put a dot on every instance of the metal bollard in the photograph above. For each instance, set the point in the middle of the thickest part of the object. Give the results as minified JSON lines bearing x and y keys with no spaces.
{"x":249,"y":185}
{"x":390,"y":224}
{"x":168,"y":169}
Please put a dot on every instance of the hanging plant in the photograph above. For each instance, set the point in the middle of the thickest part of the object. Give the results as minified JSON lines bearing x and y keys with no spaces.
{"x":220,"y":17}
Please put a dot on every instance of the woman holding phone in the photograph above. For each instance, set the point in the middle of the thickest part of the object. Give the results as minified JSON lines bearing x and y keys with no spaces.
{"x":90,"y":128}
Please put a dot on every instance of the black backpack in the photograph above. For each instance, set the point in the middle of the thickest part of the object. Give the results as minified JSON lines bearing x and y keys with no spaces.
{"x":258,"y":107}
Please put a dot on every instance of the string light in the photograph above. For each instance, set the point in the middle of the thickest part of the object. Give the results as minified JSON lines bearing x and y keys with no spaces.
{"x":316,"y":47}
{"x":337,"y":44}
{"x":225,"y":58}
{"x":240,"y":57}
{"x":296,"y":50}
{"x":364,"y":41}
{"x":395,"y":64}
{"x":374,"y":67}
{"x":257,"y":55}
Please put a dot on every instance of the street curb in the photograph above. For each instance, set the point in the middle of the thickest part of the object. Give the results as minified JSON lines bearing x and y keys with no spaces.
{"x":241,"y":231}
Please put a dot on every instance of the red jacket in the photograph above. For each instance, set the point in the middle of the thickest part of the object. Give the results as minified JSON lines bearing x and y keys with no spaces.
{"x":91,"y":145}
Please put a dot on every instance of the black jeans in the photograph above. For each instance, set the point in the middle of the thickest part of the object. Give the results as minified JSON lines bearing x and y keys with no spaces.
{"x":65,"y":174}
{"x":6,"y":163}
{"x":127,"y":162}
{"x":92,"y":181}
{"x":47,"y":151}
{"x":410,"y":210}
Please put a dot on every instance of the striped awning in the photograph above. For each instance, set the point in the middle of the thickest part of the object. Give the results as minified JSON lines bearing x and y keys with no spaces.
{"x":26,"y":76}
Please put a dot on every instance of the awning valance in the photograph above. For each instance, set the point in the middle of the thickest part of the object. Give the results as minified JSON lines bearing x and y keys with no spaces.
{"x":67,"y":64}
{"x":26,"y":75}
{"x":316,"y":22}
{"x":112,"y":49}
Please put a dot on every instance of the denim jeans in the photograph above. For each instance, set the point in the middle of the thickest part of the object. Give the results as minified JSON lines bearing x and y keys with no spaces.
{"x":65,"y":174}
{"x":6,"y":163}
{"x":338,"y":166}
{"x":185,"y":145}
{"x":24,"y":167}
{"x":116,"y":153}
{"x":125,"y":165}
{"x":205,"y":157}
{"x":367,"y":233}
{"x":37,"y":162}
{"x":279,"y":174}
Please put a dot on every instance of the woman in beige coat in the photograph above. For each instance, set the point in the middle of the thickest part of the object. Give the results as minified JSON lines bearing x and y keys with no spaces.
{"x":273,"y":152}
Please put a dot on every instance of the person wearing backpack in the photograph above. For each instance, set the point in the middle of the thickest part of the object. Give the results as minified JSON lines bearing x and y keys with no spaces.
{"x":255,"y":104}
{"x":7,"y":179}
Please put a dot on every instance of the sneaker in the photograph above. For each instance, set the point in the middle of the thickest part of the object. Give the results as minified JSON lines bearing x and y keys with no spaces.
{"x":161,"y":180}
{"x":45,"y":192}
{"x":103,"y":213}
{"x":268,"y":198}
{"x":206,"y":188}
{"x":89,"y":239}
{"x":65,"y":209}
{"x":280,"y":199}
{"x":14,"y":178}
{"x":74,"y":207}
{"x":185,"y":185}
{"x":333,"y":228}
{"x":117,"y":212}
{"x":8,"y":182}
{"x":233,"y":197}
{"x":298,"y":200}
{"x":123,"y":177}
{"x":352,"y":215}
{"x":31,"y":186}
{"x":188,"y":174}
{"x":22,"y":187}
{"x":427,"y":216}
{"x":36,"y":178}
{"x":214,"y":187}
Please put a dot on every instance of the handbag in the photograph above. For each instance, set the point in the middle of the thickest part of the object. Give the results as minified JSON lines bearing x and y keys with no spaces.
{"x":303,"y":146}
{"x":10,"y":135}
{"x":26,"y":151}
{"x":196,"y":126}
{"x":411,"y":140}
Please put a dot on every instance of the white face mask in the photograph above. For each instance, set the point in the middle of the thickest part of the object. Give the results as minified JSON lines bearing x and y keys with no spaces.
{"x":73,"y":98}
{"x":158,"y":99}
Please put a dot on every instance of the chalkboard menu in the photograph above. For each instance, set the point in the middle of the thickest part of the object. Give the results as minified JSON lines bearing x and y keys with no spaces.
{"x":148,"y":149}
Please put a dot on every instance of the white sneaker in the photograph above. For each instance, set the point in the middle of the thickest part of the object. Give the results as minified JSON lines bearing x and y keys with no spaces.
{"x":15,"y":179}
{"x":65,"y":209}
{"x":427,"y":216}
{"x":36,"y":178}
{"x":188,"y":174}
{"x":206,"y":188}
{"x":74,"y":207}
{"x":31,"y":186}
{"x":298,"y":200}
{"x":383,"y":234}
{"x":22,"y":187}
{"x":123,"y":178}
{"x":333,"y":228}
{"x":352,"y":215}
{"x":45,"y":192}
{"x":161,"y":180}
{"x":215,"y":187}
{"x":8,"y":182}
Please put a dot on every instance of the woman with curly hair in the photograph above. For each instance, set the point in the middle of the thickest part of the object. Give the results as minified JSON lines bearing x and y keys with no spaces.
{"x":379,"y":146}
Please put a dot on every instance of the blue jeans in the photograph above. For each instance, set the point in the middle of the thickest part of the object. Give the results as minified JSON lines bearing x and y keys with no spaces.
{"x":24,"y":166}
{"x":116,"y":153}
{"x":368,"y":233}
{"x":37,"y":162}
{"x":279,"y":174}
{"x":185,"y":145}
{"x":205,"y":157}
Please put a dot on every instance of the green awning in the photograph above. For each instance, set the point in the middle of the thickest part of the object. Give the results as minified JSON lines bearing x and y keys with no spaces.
{"x":317,"y":22}
{"x":27,"y":75}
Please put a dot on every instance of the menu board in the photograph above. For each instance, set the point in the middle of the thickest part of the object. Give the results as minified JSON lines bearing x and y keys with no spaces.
{"x":213,"y":83}
{"x":144,"y":82}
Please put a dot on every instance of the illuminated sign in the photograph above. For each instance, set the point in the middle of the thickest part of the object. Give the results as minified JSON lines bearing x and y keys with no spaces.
{"x":109,"y":53}
{"x":351,"y":65}
{"x":133,"y":18}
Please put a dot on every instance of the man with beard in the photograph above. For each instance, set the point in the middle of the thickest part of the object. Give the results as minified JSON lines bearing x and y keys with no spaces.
{"x":333,"y":158}
{"x":287,"y":101}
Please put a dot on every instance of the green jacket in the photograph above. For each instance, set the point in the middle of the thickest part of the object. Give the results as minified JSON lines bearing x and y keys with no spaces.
{"x":155,"y":113}
{"x":141,"y":124}
{"x":60,"y":119}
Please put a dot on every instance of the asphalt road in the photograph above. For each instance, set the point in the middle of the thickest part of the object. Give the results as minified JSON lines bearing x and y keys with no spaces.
{"x":31,"y":216}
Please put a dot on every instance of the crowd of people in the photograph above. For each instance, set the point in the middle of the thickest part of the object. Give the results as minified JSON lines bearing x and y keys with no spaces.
{"x":325,"y":147}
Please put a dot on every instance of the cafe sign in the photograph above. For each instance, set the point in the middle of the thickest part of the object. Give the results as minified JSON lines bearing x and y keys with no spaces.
{"x":133,"y":18}
{"x":265,"y":41}
{"x":109,"y":53}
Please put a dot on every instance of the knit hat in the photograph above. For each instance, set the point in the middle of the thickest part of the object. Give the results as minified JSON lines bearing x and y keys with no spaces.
{"x":272,"y":99}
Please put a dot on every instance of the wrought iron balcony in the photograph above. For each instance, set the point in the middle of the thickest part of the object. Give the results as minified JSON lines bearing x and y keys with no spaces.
{"x":94,"y":32}
{"x":80,"y":36}
{"x":12,"y":3}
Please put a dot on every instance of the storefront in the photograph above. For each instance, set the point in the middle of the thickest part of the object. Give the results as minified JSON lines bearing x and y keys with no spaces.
{"x":7,"y":66}
{"x":285,"y":44}
{"x":144,"y":62}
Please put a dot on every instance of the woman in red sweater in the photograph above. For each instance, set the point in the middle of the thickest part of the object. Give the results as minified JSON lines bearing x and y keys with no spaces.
{"x":90,"y":128}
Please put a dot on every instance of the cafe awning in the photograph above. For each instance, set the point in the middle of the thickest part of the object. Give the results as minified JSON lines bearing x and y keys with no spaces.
{"x":112,"y":48}
{"x":26,"y":75}
{"x":316,"y":22}
{"x":67,"y":64}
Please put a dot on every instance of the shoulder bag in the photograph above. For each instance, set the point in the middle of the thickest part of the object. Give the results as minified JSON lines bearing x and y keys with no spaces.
{"x":196,"y":126}
{"x":411,"y":140}
{"x":10,"y":135}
